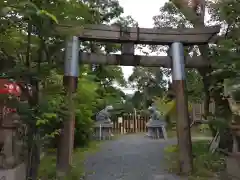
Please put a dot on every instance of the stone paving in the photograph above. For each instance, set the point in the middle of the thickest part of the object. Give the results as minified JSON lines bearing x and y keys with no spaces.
{"x":129,"y":157}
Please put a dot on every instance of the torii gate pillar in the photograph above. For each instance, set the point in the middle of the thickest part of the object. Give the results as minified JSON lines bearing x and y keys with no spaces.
{"x":183,"y":123}
{"x":66,"y":143}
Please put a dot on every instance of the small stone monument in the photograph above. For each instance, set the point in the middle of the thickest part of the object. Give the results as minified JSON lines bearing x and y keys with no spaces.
{"x":156,"y":125}
{"x":12,"y":149}
{"x":103,"y":125}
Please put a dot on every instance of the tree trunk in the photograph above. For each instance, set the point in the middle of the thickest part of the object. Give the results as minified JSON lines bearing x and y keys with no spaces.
{"x":223,"y":111}
{"x":34,"y":147}
{"x":206,"y":85}
{"x":207,"y":97}
{"x":29,"y":30}
{"x":34,"y":161}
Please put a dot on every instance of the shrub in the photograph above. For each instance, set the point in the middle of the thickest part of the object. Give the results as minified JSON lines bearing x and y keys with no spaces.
{"x":206,"y":164}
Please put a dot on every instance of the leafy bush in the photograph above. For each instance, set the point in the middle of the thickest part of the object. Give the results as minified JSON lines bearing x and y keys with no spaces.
{"x":83,"y":130}
{"x":85,"y":104}
{"x":205,"y":163}
{"x":204,"y":128}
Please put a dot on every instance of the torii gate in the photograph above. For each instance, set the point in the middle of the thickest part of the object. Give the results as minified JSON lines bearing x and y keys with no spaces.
{"x":128,"y":37}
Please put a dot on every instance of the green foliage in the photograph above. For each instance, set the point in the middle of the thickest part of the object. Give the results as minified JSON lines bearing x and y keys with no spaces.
{"x":208,"y":83}
{"x":164,"y":107}
{"x":218,"y":123}
{"x":96,"y":87}
{"x":171,"y":17}
{"x":47,"y":169}
{"x":168,"y":110}
{"x":149,"y":82}
{"x":206,"y":164}
{"x":85,"y":104}
{"x":194,"y":86}
{"x":32,"y":49}
{"x":225,"y":54}
{"x":204,"y":128}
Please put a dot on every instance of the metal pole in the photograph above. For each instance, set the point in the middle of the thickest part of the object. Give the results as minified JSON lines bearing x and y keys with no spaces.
{"x":70,"y":83}
{"x":183,"y":123}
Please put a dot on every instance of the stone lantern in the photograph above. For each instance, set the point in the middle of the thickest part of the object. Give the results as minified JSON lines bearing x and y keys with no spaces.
{"x":11,"y":143}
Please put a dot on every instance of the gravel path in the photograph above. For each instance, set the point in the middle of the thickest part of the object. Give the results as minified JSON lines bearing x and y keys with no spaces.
{"x":129,"y":157}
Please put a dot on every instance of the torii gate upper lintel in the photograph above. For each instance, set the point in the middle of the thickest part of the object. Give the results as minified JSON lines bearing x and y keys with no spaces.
{"x":150,"y":36}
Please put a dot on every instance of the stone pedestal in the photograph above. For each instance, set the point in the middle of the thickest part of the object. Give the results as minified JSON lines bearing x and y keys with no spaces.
{"x":103,"y":131}
{"x":11,"y":142}
{"x":156,"y":129}
{"x":17,"y":173}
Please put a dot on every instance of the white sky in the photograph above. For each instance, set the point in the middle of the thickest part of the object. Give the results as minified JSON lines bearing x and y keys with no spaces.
{"x":141,"y":11}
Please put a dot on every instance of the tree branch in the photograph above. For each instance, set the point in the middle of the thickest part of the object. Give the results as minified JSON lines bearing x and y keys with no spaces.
{"x":188,"y":12}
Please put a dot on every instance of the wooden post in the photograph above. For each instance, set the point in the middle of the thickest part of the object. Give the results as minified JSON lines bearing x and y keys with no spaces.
{"x":100,"y":132}
{"x":70,"y":78}
{"x":135,"y":120}
{"x":183,"y":123}
{"x":120,"y":123}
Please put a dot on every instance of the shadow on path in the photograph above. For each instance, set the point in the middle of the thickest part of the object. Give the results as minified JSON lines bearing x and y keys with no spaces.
{"x":130,"y":157}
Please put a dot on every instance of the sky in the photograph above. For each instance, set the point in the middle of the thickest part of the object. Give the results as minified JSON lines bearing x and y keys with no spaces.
{"x":141,"y":11}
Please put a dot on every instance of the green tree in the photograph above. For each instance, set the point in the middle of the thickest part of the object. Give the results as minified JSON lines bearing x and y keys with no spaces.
{"x":223,"y":54}
{"x":149,"y":83}
{"x":32,"y":51}
{"x":171,"y":17}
